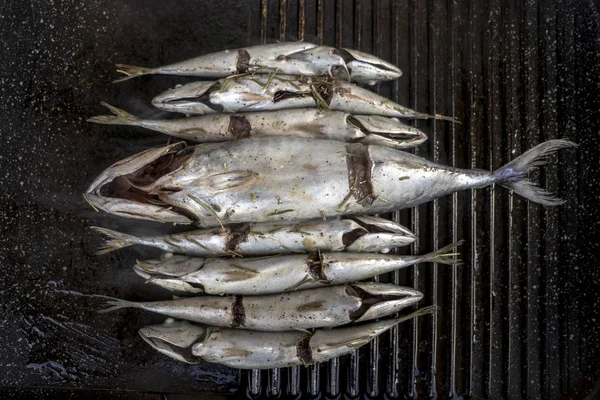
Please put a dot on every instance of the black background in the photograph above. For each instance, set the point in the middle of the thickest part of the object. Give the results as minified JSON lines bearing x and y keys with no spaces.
{"x":518,"y":319}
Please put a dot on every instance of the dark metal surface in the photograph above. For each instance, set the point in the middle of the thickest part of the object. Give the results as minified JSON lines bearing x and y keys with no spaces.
{"x":519,"y":319}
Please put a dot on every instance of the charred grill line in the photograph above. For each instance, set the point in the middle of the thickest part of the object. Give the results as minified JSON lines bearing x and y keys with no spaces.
{"x":359,"y":174}
{"x":304,"y":351}
{"x":242,"y":61}
{"x":239,"y":313}
{"x":239,"y":234}
{"x":239,"y":127}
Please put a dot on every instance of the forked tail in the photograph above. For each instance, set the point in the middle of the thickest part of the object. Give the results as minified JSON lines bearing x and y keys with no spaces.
{"x":513,"y":175}
{"x":132,"y":71}
{"x":115,"y":240}
{"x":436,"y":116}
{"x":121,"y":117}
{"x":419,"y":313}
{"x":115,"y":304}
{"x":446,"y":255}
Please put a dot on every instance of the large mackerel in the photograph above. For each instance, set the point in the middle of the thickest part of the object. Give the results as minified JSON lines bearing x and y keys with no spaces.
{"x":300,"y":58}
{"x":273,"y":179}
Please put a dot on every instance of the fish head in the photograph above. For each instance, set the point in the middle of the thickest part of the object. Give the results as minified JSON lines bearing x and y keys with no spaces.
{"x":127,"y":187}
{"x":366,"y":68}
{"x":191,"y":98}
{"x":175,"y":338}
{"x":321,"y":60}
{"x":379,"y":235}
{"x":132,"y":187}
{"x":388,"y":132}
{"x":171,"y":272}
{"x":383,"y":299}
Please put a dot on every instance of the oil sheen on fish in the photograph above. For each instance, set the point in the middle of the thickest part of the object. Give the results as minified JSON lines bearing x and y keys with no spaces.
{"x":274,"y":179}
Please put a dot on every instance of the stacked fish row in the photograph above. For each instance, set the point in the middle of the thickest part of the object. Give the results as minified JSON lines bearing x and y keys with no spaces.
{"x":298,"y":157}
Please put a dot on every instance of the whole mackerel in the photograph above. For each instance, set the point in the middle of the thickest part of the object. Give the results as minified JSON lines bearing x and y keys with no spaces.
{"x":274,"y":179}
{"x":300,"y":58}
{"x":304,"y":309}
{"x":302,"y":122}
{"x":357,"y":234}
{"x":249,"y":93}
{"x":277,"y":274}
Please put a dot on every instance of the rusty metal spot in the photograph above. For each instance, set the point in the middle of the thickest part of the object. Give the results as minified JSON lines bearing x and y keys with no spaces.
{"x":239,"y":313}
{"x":304,"y":352}
{"x":239,"y":233}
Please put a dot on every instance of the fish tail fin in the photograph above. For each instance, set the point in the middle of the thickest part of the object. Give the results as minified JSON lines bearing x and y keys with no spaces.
{"x":115,"y":240}
{"x":446,"y":255}
{"x":418,"y":313}
{"x":115,"y":304}
{"x":436,"y":116}
{"x":120,"y":117}
{"x":513,"y":175}
{"x":132,"y":71}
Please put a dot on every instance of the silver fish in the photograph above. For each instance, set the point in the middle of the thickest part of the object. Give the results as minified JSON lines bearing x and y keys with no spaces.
{"x":272,"y":179}
{"x":305,"y":309}
{"x":278,"y":274}
{"x":294,"y":58}
{"x":279,"y":92}
{"x":305,"y":122}
{"x":358,"y":234}
{"x":236,"y":348}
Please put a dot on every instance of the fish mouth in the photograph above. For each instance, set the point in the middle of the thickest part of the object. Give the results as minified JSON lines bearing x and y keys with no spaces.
{"x":175,"y":338}
{"x":379,"y":300}
{"x":131,"y":187}
{"x":389,"y":132}
{"x":378,"y":225}
{"x":180,"y":353}
{"x":355,"y":59}
{"x":397,"y":140}
{"x":374,"y":229}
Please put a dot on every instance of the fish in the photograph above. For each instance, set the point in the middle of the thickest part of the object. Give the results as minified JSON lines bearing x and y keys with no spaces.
{"x":248,"y":93}
{"x":294,"y":58}
{"x":357,"y":234}
{"x":278,"y":274}
{"x":244,"y":349}
{"x":305,"y":309}
{"x":275,"y":179}
{"x":304,"y":122}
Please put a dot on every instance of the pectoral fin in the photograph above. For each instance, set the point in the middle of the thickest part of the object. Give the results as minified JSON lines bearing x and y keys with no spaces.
{"x":312,"y":306}
{"x":229,"y":181}
{"x":237,"y":276}
{"x":233,"y":352}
